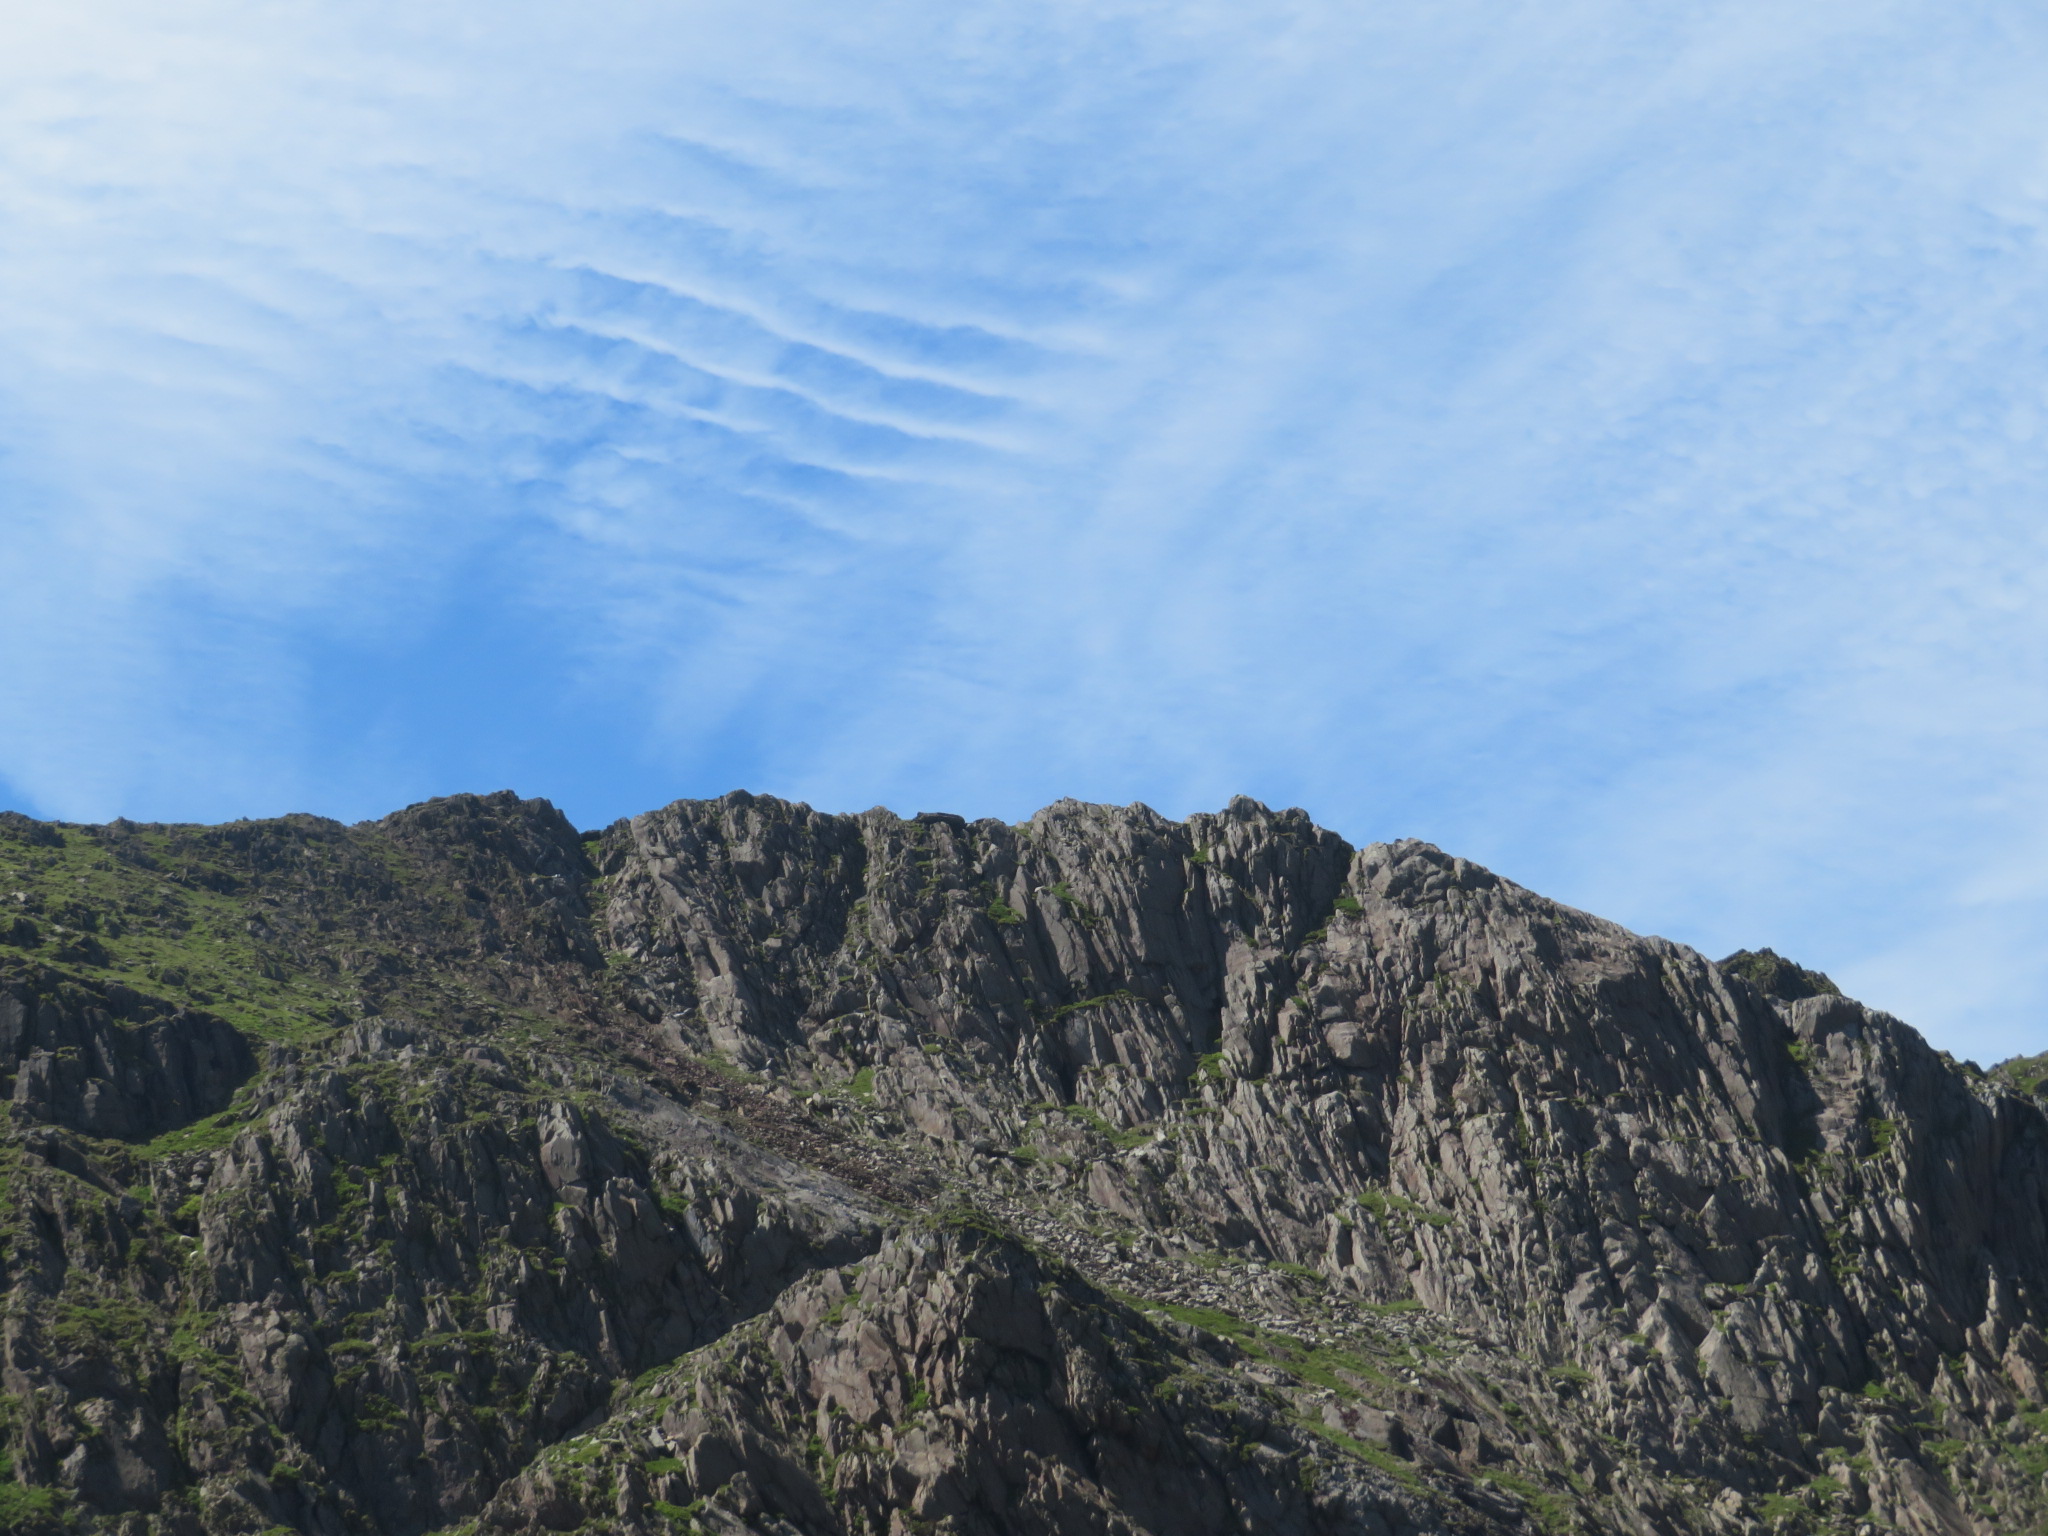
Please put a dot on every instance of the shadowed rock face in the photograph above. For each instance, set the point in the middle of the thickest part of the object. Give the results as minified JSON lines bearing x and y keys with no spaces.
{"x":758,"y":1169}
{"x":109,"y":1061}
{"x":981,"y":1388}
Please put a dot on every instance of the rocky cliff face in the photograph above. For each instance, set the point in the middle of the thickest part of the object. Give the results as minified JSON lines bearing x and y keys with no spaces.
{"x":742,"y":1168}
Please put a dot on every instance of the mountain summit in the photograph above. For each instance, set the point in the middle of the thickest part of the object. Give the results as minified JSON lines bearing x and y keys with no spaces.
{"x":741,"y":1168}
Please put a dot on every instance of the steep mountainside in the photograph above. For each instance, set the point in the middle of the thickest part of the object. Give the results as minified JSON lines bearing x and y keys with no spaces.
{"x":742,"y":1168}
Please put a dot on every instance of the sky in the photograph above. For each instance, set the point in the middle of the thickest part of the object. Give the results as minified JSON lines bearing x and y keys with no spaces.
{"x":1604,"y":439}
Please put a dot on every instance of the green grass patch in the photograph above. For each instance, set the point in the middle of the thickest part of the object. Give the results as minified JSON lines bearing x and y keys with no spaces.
{"x":1384,"y":1203}
{"x":1552,"y":1511}
{"x":965,"y":1216}
{"x":211,"y":1134}
{"x":1135,"y":1137}
{"x":1340,"y":1370}
{"x":1209,"y":1319}
{"x":1944,"y":1451}
{"x":1776,"y":1506}
{"x":1120,"y":995}
{"x":582,"y":1453}
{"x":80,"y":1325}
{"x":377,"y":1414}
{"x":1373,"y":1455}
{"x":23,"y":1508}
{"x":2031,"y":1459}
{"x":1076,"y":908}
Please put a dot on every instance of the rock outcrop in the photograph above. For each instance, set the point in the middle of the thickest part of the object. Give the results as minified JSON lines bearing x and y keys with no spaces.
{"x":746,"y":1168}
{"x":109,"y":1061}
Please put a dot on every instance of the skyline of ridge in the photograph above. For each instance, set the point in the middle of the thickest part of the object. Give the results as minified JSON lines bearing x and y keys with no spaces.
{"x":1807,"y":976}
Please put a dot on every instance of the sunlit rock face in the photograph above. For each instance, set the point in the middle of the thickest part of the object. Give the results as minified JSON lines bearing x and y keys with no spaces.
{"x":743,"y":1168}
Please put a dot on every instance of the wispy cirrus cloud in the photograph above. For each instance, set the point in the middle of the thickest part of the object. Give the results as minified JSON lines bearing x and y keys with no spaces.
{"x":1603,"y":439}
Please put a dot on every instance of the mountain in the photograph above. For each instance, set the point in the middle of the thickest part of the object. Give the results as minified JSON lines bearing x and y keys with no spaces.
{"x":743,"y":1168}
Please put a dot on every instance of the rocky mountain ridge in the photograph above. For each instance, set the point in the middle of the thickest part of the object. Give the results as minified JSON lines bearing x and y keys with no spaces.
{"x":746,"y":1168}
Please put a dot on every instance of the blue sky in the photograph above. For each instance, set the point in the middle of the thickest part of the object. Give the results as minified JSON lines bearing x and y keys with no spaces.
{"x":1605,"y":439}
